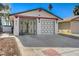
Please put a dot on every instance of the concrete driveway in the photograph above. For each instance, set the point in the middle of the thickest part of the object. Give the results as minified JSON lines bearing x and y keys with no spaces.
{"x":47,"y":45}
{"x":49,"y":41}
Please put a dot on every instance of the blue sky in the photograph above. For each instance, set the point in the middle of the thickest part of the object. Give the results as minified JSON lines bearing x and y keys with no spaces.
{"x":63,"y":10}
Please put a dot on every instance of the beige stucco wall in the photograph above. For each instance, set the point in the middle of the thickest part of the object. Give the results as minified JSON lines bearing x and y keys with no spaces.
{"x":75,"y":27}
{"x":64,"y":27}
{"x":70,"y":26}
{"x":16,"y":26}
{"x":38,"y":26}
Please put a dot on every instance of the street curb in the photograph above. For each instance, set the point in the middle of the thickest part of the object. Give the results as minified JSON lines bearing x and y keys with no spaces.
{"x":20,"y":46}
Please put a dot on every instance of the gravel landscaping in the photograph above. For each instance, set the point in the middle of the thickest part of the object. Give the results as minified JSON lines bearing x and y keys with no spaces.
{"x":8,"y":47}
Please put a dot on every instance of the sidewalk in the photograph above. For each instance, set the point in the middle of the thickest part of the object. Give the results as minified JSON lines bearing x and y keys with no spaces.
{"x":58,"y":51}
{"x":70,"y":34}
{"x":51,"y":51}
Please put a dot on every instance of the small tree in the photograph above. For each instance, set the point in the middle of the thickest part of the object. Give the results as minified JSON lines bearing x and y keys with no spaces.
{"x":76,"y":10}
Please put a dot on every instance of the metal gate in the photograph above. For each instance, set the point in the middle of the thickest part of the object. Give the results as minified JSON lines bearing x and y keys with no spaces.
{"x":0,"y":26}
{"x":28,"y":26}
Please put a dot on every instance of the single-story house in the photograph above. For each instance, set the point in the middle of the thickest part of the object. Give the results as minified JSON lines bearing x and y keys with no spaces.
{"x":35,"y":21}
{"x":70,"y":25}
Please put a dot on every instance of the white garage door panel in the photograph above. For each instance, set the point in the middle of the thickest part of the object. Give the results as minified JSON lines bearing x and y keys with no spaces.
{"x":47,"y":26}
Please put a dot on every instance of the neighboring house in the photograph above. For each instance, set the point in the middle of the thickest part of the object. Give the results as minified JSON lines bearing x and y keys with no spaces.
{"x":70,"y":25}
{"x":36,"y":21}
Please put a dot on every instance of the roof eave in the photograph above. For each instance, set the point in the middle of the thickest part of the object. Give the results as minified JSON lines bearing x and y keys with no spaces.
{"x":37,"y":9}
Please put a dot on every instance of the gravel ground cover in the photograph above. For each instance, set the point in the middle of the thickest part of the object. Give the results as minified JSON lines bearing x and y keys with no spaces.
{"x":8,"y":47}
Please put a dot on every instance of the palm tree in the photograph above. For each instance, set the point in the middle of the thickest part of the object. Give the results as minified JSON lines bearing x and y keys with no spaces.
{"x":76,"y":10}
{"x":1,"y":14}
{"x":5,"y":13}
{"x":1,"y":8}
{"x":50,"y":6}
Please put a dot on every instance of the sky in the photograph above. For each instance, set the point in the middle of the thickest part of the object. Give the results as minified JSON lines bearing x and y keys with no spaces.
{"x":63,"y":10}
